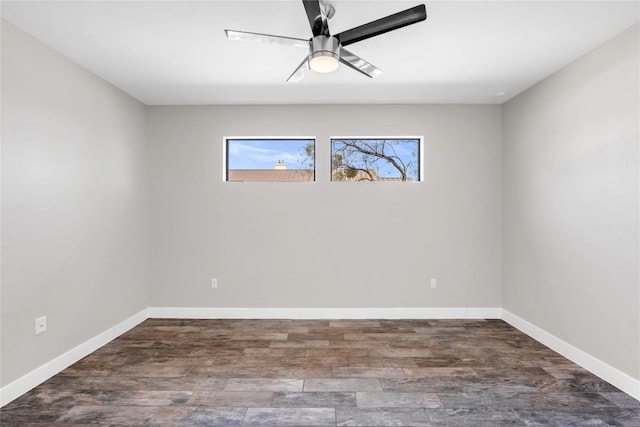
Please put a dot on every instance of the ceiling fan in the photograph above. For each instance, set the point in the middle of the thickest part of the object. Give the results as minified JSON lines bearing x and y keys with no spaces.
{"x":326,"y":50}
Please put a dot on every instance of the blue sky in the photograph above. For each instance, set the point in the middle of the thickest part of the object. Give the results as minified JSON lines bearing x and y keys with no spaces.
{"x":264,"y":154}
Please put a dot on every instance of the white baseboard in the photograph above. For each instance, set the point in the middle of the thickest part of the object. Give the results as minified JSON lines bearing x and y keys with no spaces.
{"x":325,"y":313}
{"x":596,"y":366}
{"x":39,"y":375}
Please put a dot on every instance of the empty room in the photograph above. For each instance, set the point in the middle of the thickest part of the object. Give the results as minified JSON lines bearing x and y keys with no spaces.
{"x":320,"y":213}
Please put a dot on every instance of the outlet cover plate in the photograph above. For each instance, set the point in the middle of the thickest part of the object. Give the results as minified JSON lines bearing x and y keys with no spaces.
{"x":41,"y":325}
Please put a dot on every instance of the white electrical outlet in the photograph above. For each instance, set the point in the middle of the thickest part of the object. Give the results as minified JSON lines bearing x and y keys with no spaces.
{"x":434,"y":283}
{"x":41,"y":325}
{"x":214,"y":283}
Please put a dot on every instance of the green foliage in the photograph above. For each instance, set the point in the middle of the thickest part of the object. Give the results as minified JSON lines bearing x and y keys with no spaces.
{"x":308,"y":155}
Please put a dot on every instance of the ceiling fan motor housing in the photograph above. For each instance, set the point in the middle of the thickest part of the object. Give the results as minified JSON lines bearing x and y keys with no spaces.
{"x":324,"y":53}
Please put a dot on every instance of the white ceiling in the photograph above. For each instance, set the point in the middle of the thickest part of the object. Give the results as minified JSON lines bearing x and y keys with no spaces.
{"x":176,"y":52}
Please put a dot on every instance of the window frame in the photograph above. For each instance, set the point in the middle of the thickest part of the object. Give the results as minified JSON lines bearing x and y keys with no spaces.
{"x":225,"y":152}
{"x":420,"y":155}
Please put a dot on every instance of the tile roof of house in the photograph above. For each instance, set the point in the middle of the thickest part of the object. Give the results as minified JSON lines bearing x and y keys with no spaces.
{"x":363,"y":176}
{"x":270,"y":175}
{"x":289,"y":175}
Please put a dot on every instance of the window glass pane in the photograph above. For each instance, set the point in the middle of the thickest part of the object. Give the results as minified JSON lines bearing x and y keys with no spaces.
{"x":375,"y":159}
{"x":270,"y":160}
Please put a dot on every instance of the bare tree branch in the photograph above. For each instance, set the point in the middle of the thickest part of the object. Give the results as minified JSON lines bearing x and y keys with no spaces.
{"x":367,"y":149}
{"x":362,"y":159}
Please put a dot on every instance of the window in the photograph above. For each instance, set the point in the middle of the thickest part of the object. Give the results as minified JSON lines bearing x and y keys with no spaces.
{"x":375,"y":159}
{"x":270,"y":159}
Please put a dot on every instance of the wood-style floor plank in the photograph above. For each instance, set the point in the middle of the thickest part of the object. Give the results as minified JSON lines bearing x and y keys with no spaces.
{"x":324,"y":373}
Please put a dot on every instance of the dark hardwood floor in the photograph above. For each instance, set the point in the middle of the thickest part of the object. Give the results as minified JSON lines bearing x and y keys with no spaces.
{"x":324,"y":373}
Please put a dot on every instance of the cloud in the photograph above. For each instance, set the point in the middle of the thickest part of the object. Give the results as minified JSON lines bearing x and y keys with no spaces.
{"x":262,"y":157}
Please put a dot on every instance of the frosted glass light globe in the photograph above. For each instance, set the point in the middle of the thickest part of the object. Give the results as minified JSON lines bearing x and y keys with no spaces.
{"x":324,"y":63}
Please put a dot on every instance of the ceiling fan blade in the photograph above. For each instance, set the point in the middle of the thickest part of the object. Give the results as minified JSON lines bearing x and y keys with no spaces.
{"x":266,"y":38}
{"x":300,"y":72}
{"x":358,"y":64}
{"x":383,"y":25}
{"x":318,"y":22}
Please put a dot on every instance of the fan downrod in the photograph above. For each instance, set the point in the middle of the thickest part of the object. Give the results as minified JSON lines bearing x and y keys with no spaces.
{"x":328,"y":9}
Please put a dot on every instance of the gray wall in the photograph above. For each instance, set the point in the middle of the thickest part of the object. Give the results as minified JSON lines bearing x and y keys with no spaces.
{"x":326,"y":244}
{"x":570,"y":204}
{"x":73,"y":204}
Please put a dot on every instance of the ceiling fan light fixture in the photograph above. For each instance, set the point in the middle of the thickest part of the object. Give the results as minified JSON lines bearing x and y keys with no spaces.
{"x":326,"y":51}
{"x":324,"y":62}
{"x":324,"y":54}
